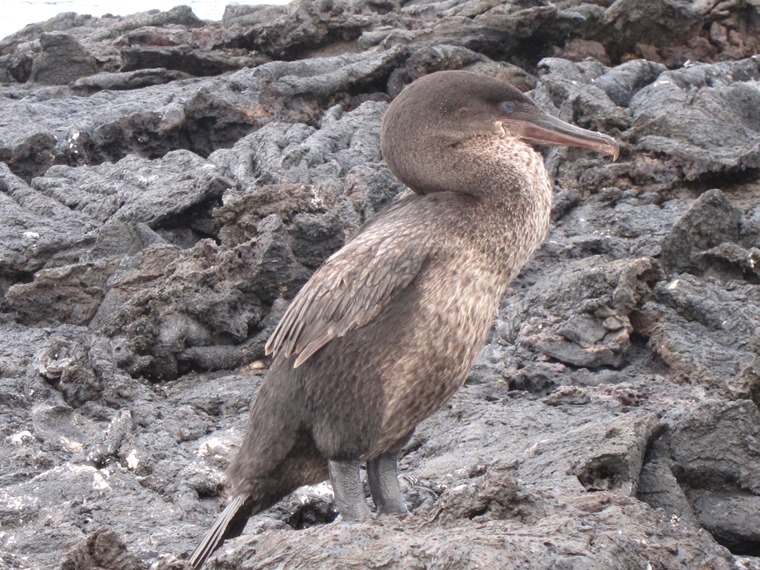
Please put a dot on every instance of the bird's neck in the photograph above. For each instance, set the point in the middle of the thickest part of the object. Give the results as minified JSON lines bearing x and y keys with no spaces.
{"x":491,"y":193}
{"x":513,"y":202}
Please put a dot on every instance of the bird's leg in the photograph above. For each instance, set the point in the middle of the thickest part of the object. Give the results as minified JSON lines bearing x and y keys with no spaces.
{"x":382,"y":473}
{"x":348,"y":489}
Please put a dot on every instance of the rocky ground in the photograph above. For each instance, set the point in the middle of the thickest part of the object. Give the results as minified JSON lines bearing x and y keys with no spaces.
{"x":167,"y":184}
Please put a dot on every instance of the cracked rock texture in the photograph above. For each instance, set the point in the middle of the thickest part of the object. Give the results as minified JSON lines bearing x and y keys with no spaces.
{"x":167,"y":184}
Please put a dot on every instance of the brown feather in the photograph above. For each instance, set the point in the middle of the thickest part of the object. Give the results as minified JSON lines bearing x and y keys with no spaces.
{"x":348,"y":291}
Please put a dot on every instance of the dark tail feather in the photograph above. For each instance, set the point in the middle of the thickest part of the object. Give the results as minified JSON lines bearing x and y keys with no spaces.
{"x":229,"y":524}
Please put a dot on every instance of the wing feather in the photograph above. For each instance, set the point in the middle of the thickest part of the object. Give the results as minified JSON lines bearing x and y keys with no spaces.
{"x":347,"y":292}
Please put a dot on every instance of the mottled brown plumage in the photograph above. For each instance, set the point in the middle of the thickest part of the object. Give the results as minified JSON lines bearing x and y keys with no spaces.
{"x":388,"y":328}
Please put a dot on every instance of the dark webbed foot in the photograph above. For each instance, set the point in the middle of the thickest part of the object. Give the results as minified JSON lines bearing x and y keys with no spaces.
{"x":383,"y":483}
{"x":348,"y":489}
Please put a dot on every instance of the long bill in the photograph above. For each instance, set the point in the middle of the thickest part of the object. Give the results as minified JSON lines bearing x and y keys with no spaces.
{"x":549,"y":130}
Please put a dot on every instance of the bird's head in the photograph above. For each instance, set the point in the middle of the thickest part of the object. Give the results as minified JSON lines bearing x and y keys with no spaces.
{"x":446,"y":109}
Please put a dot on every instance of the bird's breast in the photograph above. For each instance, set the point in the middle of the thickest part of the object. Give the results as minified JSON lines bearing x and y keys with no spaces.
{"x":453,"y":311}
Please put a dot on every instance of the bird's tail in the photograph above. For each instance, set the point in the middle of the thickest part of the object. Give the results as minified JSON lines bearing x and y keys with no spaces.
{"x":229,"y":524}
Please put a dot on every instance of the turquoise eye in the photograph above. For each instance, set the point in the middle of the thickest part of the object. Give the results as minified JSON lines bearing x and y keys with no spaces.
{"x":509,"y":107}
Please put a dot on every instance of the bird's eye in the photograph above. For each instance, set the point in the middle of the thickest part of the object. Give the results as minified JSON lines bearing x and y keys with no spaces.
{"x":509,"y":107}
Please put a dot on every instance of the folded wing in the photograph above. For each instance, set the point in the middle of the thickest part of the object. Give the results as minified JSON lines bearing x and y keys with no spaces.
{"x":349,"y":290}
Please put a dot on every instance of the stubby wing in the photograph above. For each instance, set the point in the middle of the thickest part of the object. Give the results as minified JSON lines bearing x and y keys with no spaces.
{"x":347,"y":292}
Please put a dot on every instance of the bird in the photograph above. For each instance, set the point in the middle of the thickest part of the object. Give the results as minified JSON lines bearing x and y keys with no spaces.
{"x":387,"y":329}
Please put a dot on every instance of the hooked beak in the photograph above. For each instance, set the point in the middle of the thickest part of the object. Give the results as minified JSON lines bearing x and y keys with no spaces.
{"x":550,"y":130}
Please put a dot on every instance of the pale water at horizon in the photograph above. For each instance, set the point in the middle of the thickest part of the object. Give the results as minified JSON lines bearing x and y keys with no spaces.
{"x":18,"y":13}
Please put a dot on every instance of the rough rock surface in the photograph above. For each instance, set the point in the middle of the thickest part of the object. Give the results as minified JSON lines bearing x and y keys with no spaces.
{"x":167,"y":184}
